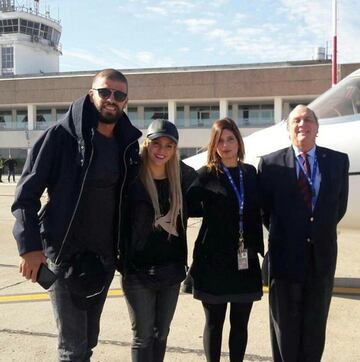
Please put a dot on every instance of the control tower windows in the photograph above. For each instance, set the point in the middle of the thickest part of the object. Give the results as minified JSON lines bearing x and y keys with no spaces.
{"x":29,"y":27}
{"x":8,"y":26}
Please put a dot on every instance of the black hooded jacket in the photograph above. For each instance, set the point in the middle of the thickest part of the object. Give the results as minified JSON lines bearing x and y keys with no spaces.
{"x":58,"y":163}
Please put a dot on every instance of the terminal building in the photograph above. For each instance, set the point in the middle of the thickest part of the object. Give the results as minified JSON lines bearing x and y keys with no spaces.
{"x":35,"y":95}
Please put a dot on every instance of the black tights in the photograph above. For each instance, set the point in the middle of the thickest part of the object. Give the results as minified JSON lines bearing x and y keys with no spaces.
{"x":215,"y":316}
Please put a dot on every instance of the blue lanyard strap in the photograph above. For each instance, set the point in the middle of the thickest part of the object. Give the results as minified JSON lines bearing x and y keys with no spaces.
{"x":311,"y":180}
{"x":240,"y":195}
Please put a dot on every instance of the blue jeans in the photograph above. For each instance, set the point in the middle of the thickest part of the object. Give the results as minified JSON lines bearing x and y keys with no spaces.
{"x":78,"y":329}
{"x":151,"y":312}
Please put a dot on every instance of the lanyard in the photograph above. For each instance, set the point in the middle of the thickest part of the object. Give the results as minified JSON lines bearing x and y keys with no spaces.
{"x":240,"y":195}
{"x":311,"y":180}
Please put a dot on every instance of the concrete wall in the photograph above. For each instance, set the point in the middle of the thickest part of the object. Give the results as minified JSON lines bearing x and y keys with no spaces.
{"x":35,"y":58}
{"x":188,"y":85}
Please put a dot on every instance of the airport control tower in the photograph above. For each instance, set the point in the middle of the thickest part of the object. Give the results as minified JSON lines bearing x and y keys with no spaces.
{"x":29,"y":40}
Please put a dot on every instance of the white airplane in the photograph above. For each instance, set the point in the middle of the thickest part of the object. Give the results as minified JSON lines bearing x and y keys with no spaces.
{"x":338,"y":110}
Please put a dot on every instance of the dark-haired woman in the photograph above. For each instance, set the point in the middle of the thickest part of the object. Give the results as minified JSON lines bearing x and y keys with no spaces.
{"x":225,"y":266}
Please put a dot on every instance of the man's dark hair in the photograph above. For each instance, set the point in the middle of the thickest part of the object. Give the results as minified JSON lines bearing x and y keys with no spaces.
{"x":111,"y":74}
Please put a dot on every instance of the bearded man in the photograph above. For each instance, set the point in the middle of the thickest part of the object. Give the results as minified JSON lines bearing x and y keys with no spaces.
{"x":84,"y":162}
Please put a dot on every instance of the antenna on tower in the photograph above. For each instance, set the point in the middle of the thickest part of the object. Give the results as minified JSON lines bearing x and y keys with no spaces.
{"x":36,"y":6}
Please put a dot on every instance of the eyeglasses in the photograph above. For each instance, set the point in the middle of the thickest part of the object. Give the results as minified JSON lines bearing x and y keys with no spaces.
{"x":106,"y":93}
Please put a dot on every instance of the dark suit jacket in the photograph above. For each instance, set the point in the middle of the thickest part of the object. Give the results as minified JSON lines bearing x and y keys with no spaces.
{"x":291,"y":226}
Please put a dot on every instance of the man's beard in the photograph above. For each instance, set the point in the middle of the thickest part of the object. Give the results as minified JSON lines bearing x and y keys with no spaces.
{"x":108,"y":118}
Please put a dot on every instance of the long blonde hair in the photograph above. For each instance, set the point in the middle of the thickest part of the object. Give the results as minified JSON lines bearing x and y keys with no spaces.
{"x":172,"y":170}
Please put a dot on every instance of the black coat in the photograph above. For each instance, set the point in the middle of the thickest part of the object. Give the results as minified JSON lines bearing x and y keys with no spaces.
{"x":139,"y":220}
{"x":214,"y":268}
{"x":59,"y":162}
{"x":291,"y":225}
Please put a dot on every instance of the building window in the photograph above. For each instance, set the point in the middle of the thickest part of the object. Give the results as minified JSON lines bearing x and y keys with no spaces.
{"x":30,"y":28}
{"x":21,"y":117}
{"x":151,"y":113}
{"x":203,"y":116}
{"x":255,"y":115}
{"x":180,"y":117}
{"x":230,"y":112}
{"x":133,"y":115}
{"x":5,"y":119}
{"x":60,"y":113}
{"x":186,"y":152}
{"x":44,"y":118}
{"x":7,"y":59}
{"x":8,"y":26}
{"x":55,"y":37}
{"x":46,"y":32}
{"x":21,"y":120}
{"x":43,"y":115}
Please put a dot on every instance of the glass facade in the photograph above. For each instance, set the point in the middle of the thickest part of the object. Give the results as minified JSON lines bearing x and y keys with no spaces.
{"x":186,"y":152}
{"x":60,"y":113}
{"x":255,"y":115}
{"x":34,"y":29}
{"x":187,"y":116}
{"x":29,"y":27}
{"x":133,"y":115}
{"x":21,"y":119}
{"x":8,"y":26}
{"x":5,"y":119}
{"x":151,"y":113}
{"x":180,"y":117}
{"x":203,"y":116}
{"x":44,"y":118}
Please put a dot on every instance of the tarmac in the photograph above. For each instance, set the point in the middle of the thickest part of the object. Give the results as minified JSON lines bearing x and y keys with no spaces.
{"x":28,"y":332}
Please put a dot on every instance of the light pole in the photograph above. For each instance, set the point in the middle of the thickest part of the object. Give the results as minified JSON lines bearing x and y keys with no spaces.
{"x":334,"y":47}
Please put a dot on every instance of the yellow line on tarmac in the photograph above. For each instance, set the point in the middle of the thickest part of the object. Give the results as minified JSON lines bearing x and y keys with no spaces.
{"x":36,"y":297}
{"x":23,"y":297}
{"x":346,"y":290}
{"x":336,"y":290}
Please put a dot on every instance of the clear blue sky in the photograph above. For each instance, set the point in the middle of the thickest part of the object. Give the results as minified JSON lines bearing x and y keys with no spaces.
{"x":149,"y":33}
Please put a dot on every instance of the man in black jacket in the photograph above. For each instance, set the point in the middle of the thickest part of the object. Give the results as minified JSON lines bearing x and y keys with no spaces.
{"x":304,"y":192}
{"x":10,"y":163}
{"x":84,"y":163}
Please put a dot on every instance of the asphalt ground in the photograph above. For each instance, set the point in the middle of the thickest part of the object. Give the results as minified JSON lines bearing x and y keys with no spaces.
{"x":28,"y":332}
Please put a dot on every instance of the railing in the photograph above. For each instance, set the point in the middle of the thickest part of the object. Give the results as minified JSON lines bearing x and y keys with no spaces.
{"x":44,"y":125}
{"x":6,"y":126}
{"x":13,"y":126}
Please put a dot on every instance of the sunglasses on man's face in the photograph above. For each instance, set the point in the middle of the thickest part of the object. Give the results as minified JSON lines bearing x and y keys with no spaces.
{"x":105,"y":93}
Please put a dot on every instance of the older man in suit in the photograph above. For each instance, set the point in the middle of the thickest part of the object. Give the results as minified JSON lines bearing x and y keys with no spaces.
{"x":304,"y":194}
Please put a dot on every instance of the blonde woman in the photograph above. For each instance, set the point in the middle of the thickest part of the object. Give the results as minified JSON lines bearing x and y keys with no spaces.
{"x":155,"y":251}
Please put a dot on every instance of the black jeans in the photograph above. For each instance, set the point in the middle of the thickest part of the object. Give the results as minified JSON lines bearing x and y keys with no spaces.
{"x":78,"y":329}
{"x":151,"y":311}
{"x":11,"y":173}
{"x":215,"y":316}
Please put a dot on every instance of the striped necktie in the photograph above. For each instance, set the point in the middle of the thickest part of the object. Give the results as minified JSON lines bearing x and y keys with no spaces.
{"x":303,"y":182}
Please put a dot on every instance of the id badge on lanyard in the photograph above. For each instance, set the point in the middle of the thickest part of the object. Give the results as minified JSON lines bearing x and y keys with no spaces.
{"x":242,"y":253}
